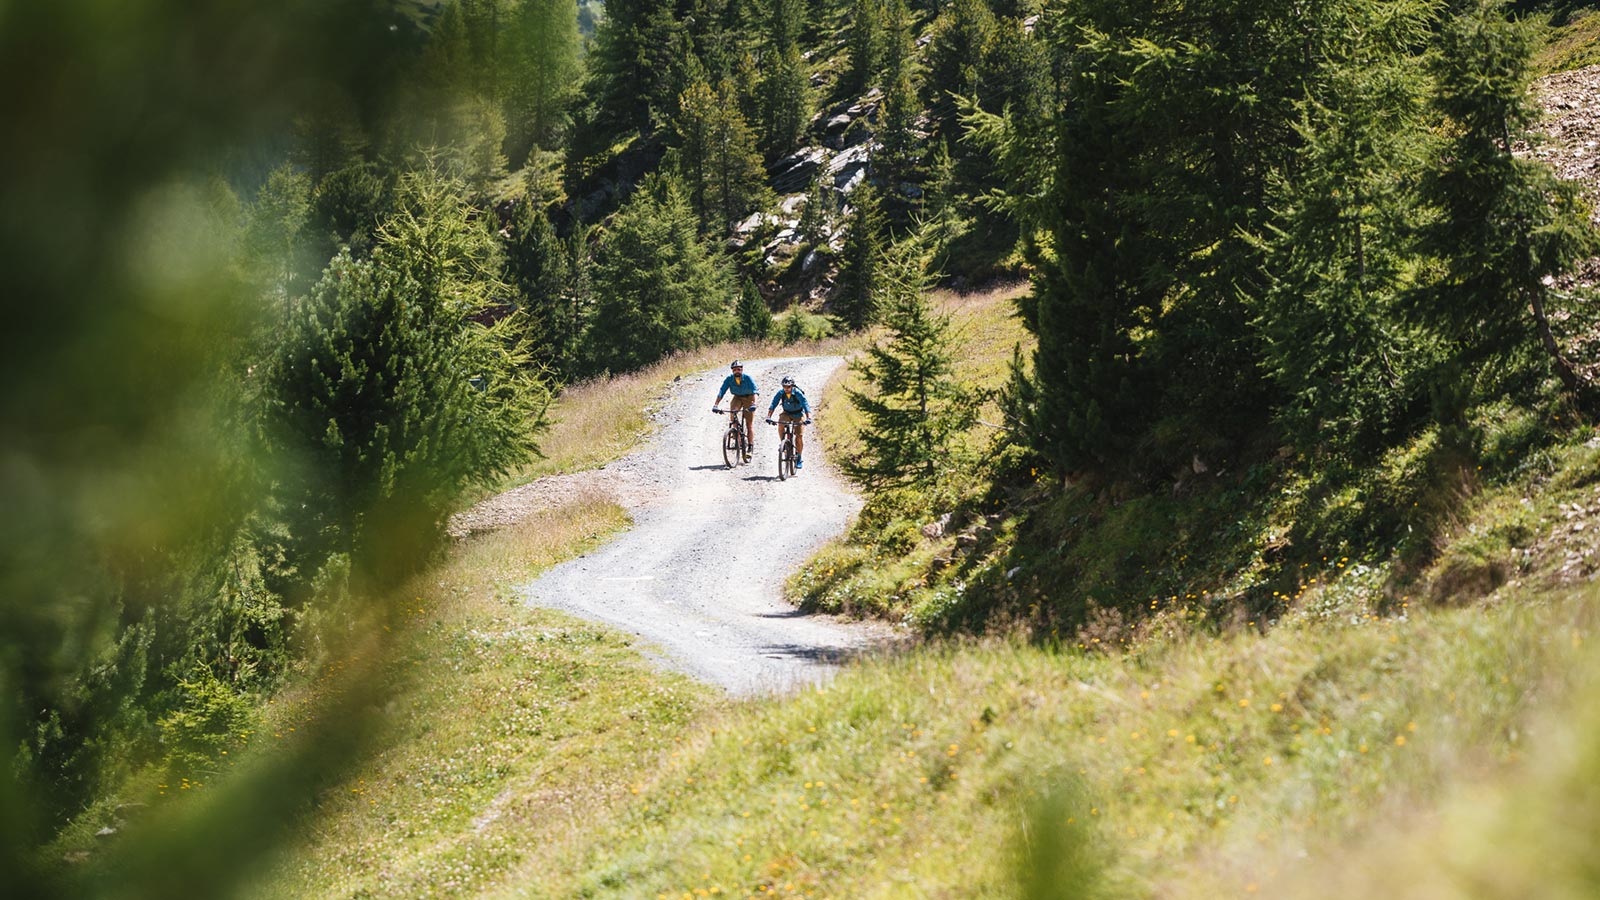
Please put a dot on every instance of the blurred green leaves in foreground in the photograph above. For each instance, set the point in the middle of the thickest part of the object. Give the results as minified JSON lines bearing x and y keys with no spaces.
{"x":208,"y":470}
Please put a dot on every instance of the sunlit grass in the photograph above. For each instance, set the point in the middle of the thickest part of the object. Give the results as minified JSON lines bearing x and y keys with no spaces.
{"x":510,"y":726}
{"x":1573,"y":44}
{"x":1203,"y":767}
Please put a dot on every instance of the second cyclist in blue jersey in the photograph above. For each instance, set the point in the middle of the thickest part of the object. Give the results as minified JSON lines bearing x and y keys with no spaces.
{"x":796,"y":411}
{"x":743,"y":390}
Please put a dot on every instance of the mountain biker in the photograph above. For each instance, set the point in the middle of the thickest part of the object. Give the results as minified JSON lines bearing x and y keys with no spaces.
{"x":794,"y":405}
{"x":743,"y":389}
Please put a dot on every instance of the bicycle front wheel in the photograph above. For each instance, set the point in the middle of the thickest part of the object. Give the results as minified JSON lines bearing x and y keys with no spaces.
{"x":730,"y":448}
{"x":785,"y":460}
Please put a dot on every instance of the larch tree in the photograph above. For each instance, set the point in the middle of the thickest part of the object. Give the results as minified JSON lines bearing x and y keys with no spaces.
{"x":1504,"y":225}
{"x":914,"y":407}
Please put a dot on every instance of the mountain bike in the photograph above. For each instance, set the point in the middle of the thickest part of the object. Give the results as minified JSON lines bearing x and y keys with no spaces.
{"x":735,"y":443}
{"x":785,"y":448}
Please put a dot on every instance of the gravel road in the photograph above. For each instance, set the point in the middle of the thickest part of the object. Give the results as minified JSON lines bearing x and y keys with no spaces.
{"x":700,"y":575}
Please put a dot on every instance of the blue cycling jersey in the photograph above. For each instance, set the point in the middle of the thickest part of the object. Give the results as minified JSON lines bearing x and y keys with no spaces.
{"x":739,"y":385}
{"x":793,"y":405}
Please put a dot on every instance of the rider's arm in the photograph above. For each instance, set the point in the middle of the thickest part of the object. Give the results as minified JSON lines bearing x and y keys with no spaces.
{"x":724,"y":390}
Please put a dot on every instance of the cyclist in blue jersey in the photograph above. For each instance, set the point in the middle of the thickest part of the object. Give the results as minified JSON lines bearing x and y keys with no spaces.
{"x":743,"y":389}
{"x":795,"y":410}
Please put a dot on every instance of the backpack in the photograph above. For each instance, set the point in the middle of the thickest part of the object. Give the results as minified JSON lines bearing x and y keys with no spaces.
{"x":798,"y":400}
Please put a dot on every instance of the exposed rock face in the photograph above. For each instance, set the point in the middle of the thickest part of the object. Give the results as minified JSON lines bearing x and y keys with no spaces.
{"x":793,"y":173}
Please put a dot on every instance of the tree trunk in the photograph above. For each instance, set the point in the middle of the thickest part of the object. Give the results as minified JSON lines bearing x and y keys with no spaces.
{"x":1564,"y":369}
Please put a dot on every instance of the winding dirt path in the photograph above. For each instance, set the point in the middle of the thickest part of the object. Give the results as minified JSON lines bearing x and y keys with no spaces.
{"x":700,"y":575}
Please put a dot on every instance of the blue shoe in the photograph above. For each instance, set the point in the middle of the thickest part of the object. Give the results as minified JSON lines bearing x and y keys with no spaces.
{"x":799,"y":463}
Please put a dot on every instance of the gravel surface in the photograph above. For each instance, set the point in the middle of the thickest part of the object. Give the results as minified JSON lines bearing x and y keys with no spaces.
{"x":700,"y":575}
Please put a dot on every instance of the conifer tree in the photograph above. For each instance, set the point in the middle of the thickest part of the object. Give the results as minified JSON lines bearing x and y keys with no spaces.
{"x":388,"y":385}
{"x":717,"y":156}
{"x":1504,"y":224}
{"x":785,"y":101}
{"x":942,"y":220}
{"x":859,"y":268}
{"x":816,"y":217}
{"x":658,"y":287}
{"x":960,"y":38}
{"x":915,"y":407}
{"x":1340,"y":254}
{"x":538,"y":270}
{"x":899,"y":45}
{"x":866,"y":45}
{"x":1091,"y":398}
{"x":755,"y":319}
{"x":544,"y":83}
{"x":898,"y":158}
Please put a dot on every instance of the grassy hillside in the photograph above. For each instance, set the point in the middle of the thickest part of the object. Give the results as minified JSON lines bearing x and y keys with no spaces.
{"x":1365,"y":744}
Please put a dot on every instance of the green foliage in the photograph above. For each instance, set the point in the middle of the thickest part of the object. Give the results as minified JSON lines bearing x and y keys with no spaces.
{"x":959,"y":41}
{"x":658,"y":288}
{"x":865,"y":45}
{"x":1350,"y":368}
{"x":538,"y":268}
{"x":544,"y":47}
{"x":717,"y":157}
{"x":798,"y":325}
{"x":916,"y":407}
{"x":211,"y":718}
{"x":817,"y":216}
{"x":389,"y":390}
{"x":755,"y":319}
{"x":785,"y":101}
{"x":1503,"y":225}
{"x":862,"y":261}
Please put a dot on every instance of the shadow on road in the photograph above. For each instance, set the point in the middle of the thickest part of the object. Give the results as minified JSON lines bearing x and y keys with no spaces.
{"x":836,"y":656}
{"x":707,"y":468}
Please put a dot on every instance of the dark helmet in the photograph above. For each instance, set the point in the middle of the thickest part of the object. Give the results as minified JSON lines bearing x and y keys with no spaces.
{"x":788,"y":381}
{"x":736,"y":365}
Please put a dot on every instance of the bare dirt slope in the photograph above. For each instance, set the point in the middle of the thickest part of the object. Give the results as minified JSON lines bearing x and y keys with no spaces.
{"x":700,"y":575}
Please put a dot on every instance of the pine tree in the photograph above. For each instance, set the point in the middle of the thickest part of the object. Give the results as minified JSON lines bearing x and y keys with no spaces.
{"x":942,"y":220}
{"x":658,"y":287}
{"x":538,"y":270}
{"x":1341,"y":254}
{"x":960,"y":38}
{"x":389,"y":385}
{"x":915,"y":408}
{"x":717,"y":157}
{"x":1173,"y":126}
{"x":1504,"y":224}
{"x":899,"y":46}
{"x":755,"y":319}
{"x":866,"y":45}
{"x":785,"y":101}
{"x":862,"y":259}
{"x":897,"y":160}
{"x":816,"y":217}
{"x":1092,"y":401}
{"x":544,"y":81}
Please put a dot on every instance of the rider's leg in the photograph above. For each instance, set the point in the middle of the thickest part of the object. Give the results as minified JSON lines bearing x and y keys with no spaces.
{"x":799,"y":439}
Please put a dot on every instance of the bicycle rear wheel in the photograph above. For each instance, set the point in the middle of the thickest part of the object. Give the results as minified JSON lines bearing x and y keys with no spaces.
{"x":730,"y":448}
